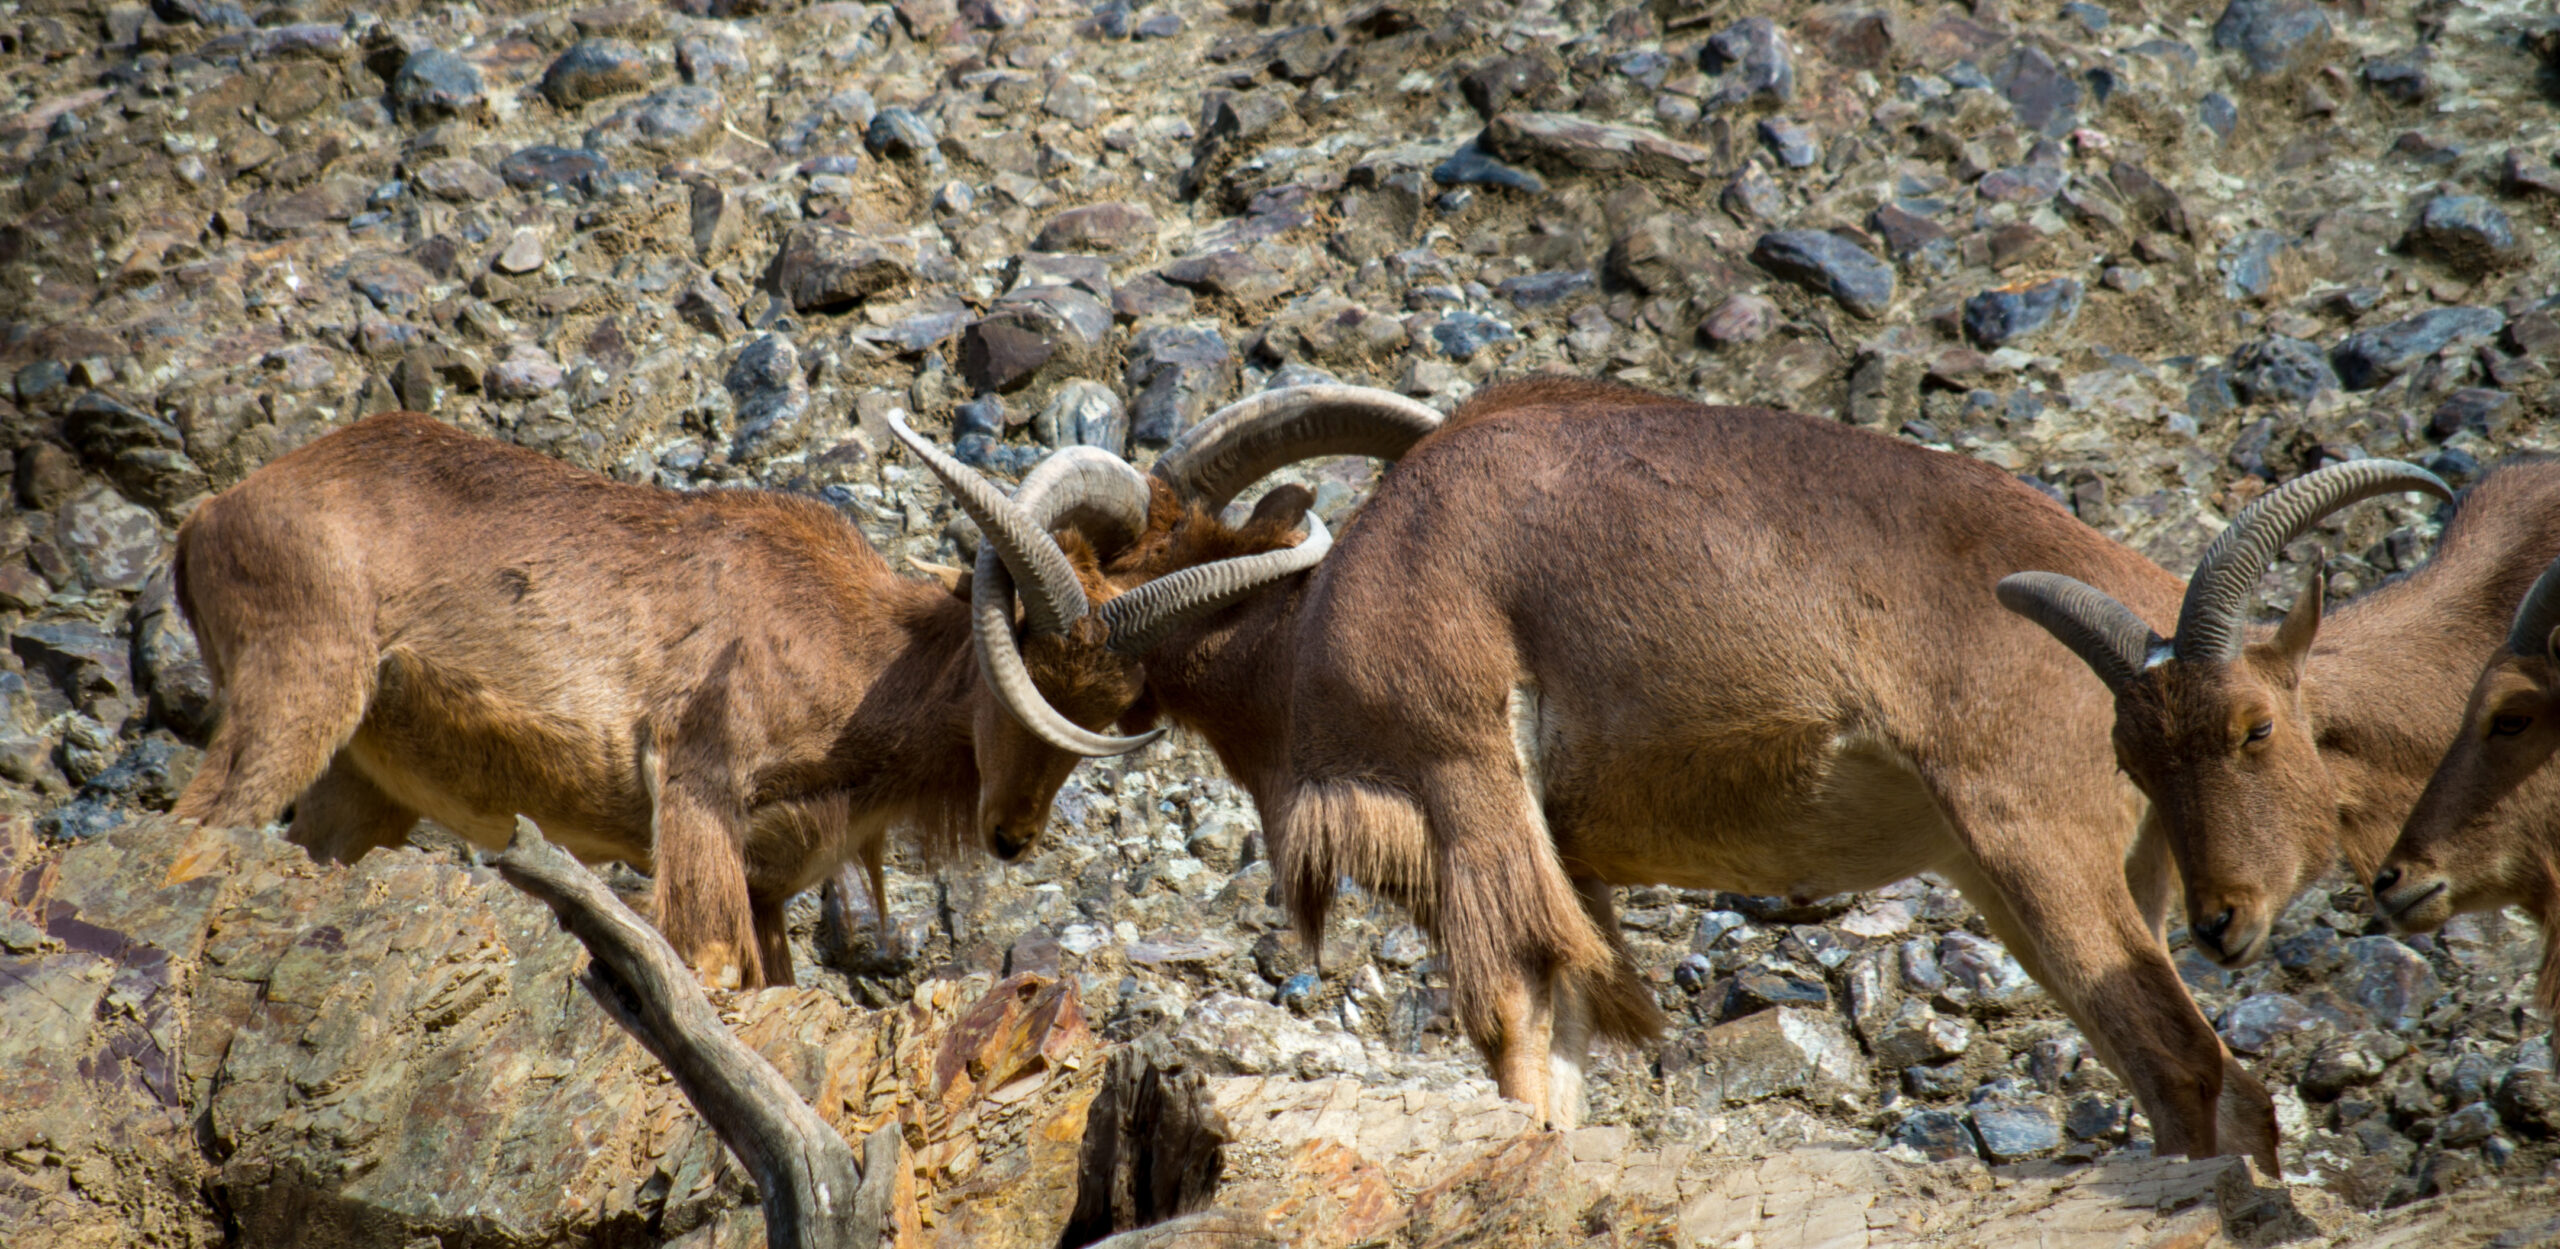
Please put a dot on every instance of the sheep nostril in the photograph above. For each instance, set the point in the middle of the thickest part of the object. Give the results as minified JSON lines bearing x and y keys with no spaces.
{"x":2384,"y":880}
{"x":2211,"y":932}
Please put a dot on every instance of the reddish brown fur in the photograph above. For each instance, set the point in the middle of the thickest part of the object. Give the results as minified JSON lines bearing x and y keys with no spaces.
{"x":729,"y":689}
{"x":2358,"y":710}
{"x":2485,"y":832}
{"x":1586,"y":636}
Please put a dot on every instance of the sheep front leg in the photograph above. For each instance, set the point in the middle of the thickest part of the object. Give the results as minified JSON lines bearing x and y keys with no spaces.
{"x":703,"y":906}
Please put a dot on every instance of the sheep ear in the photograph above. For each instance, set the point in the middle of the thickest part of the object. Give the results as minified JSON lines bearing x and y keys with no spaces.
{"x":952,"y":579}
{"x":2293,"y":637}
{"x":2551,"y":646}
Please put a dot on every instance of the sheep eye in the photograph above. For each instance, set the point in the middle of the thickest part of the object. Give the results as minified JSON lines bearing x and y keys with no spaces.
{"x":2508,"y":726}
{"x":2259,"y":732}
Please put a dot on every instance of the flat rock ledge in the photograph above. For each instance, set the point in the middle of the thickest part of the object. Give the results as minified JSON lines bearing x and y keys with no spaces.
{"x":205,"y":1039}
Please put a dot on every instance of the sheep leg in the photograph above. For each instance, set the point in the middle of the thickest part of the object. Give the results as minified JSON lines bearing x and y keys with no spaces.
{"x":2075,"y":928}
{"x":344,"y":815}
{"x":284,"y":718}
{"x":773,"y":937}
{"x":703,"y":904}
{"x":1519,"y":938}
{"x":1520,"y":1053}
{"x":2152,"y":875}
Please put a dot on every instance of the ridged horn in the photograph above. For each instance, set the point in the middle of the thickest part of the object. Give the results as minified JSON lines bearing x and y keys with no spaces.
{"x":2531,"y":635}
{"x":2209,"y":622}
{"x":2106,"y":634}
{"x":1243,"y":442}
{"x":1103,"y":497}
{"x":1052,"y":598}
{"x":1140,"y":618}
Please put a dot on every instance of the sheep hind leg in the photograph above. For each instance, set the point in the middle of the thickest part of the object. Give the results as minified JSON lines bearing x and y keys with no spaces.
{"x":284,"y":719}
{"x":1520,"y":1050}
{"x":344,"y":815}
{"x":1520,"y":937}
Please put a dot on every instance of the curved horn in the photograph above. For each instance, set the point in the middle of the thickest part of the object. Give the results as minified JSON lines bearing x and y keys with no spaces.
{"x":1140,"y":618}
{"x":1094,"y":490}
{"x":1052,"y":597}
{"x":2209,"y":625}
{"x":2116,"y":643}
{"x":1089,"y":490}
{"x":1243,"y":442}
{"x":2530,"y":636}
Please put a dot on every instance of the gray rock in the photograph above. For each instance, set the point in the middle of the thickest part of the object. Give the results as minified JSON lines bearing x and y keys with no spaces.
{"x":2529,"y":1102}
{"x":835,"y":125}
{"x":2094,"y":1117}
{"x":823,"y":268}
{"x":709,"y":56}
{"x":2250,"y":264}
{"x":86,"y":664}
{"x":2274,"y":37}
{"x":2468,"y":1126}
{"x":1115,"y":226}
{"x":1543,"y":290}
{"x":433,"y":85}
{"x":2255,"y":1022}
{"x":593,"y":69}
{"x":2349,"y":1062}
{"x":1085,"y":413}
{"x":1028,"y":330}
{"x":2015,"y":1133}
{"x":674,"y":122}
{"x":2369,"y":358}
{"x":1937,"y":1135}
{"x":1464,"y":334}
{"x":144,"y":455}
{"x":168,"y":665}
{"x":1767,"y":1055}
{"x":772,"y":396}
{"x":1793,"y":143}
{"x":708,"y":308}
{"x":1918,"y":1036}
{"x":1751,"y":64}
{"x":900,"y":134}
{"x":2277,"y":369}
{"x":148,"y":774}
{"x":1741,"y":319}
{"x":1828,"y":264}
{"x":459,"y":179}
{"x":1981,"y":975}
{"x":2045,"y":95}
{"x":1905,"y":233}
{"x":2219,"y":114}
{"x":1996,"y":318}
{"x":1567,"y":145}
{"x":1471,"y":165}
{"x":115,"y":543}
{"x":1756,"y":989}
{"x":2399,"y":80}
{"x":528,"y":372}
{"x":1175,"y":375}
{"x":2021,"y":184}
{"x":1237,"y":275}
{"x":2472,"y":408}
{"x":2468,"y":234}
{"x":543,"y":167}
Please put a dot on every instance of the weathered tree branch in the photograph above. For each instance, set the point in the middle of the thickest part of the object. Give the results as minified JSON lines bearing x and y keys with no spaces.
{"x":814,"y":1194}
{"x":1154,"y":1149}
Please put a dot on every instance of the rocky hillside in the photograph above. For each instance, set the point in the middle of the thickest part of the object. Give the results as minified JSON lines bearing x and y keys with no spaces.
{"x":2150,"y":255}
